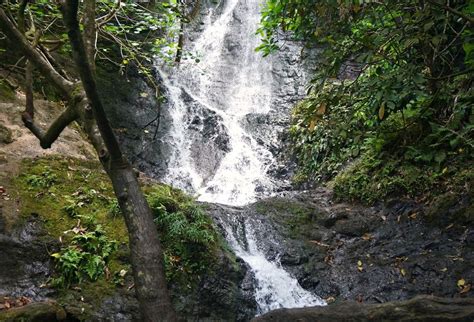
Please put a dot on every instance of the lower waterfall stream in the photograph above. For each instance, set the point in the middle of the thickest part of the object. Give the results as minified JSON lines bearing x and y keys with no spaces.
{"x":230,"y":82}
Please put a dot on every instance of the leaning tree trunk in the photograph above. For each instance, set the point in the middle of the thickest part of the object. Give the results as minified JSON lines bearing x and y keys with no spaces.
{"x":85,"y":107}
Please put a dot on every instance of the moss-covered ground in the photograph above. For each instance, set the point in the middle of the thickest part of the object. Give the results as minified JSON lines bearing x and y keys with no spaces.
{"x":72,"y":196}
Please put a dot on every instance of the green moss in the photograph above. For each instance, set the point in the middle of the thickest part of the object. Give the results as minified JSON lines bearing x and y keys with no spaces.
{"x":375,"y":178}
{"x":47,"y":186}
{"x":293,"y":215}
{"x":83,"y":300}
{"x":66,"y":193}
{"x":283,"y":205}
{"x":6,"y":92}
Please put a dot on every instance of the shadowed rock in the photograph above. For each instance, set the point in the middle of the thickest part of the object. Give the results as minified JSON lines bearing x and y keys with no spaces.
{"x":420,"y":308}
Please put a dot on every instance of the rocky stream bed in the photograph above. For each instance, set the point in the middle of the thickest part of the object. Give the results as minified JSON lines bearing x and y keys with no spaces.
{"x":347,"y":254}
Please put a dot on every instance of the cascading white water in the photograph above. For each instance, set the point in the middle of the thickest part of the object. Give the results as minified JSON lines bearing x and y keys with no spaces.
{"x":276,"y":287}
{"x":247,"y":89}
{"x":230,"y":82}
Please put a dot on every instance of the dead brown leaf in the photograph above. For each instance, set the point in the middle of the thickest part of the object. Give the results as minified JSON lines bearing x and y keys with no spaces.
{"x":319,"y":243}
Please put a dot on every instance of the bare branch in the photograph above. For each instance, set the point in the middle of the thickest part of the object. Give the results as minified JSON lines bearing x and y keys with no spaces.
{"x":54,"y":130}
{"x":90,"y":33}
{"x":21,"y":16}
{"x":453,"y":11}
{"x":104,"y":19}
{"x":64,"y":85}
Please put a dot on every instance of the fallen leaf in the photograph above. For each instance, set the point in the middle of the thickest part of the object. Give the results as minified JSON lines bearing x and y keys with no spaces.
{"x":56,"y":255}
{"x":322,"y":109}
{"x":461,"y":282}
{"x":444,"y":269}
{"x":319,"y":243}
{"x":359,"y":266}
{"x":465,"y":289}
{"x":367,"y":236}
{"x":383,"y":218}
{"x":330,"y":299}
{"x":403,"y":272}
{"x":413,"y":215}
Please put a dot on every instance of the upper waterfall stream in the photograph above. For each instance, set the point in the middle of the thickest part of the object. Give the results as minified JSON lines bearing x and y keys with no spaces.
{"x":229,"y":82}
{"x":213,"y":154}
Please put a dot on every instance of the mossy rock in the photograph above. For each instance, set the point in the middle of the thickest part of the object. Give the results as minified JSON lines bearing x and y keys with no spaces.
{"x":6,"y":92}
{"x":451,"y":208}
{"x":6,"y":135}
{"x":39,"y":311}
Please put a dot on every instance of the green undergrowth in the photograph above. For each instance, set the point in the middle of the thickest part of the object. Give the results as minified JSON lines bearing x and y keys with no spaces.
{"x":74,"y":201}
{"x":373,"y":178}
{"x":188,"y":235}
{"x":412,"y":153}
{"x":6,"y":92}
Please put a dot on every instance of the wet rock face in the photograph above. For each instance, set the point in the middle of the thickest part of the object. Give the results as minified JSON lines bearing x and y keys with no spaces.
{"x":25,"y":263}
{"x":377,"y":254}
{"x":142,"y":123}
{"x":135,"y":114}
{"x":227,"y":295}
{"x":210,"y":139}
{"x":224,"y":294}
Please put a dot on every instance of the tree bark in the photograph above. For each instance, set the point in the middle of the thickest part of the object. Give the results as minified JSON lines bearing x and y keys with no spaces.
{"x":90,"y":32}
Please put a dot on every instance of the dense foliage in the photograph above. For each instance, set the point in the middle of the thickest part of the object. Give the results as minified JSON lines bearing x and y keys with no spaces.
{"x":394,"y":82}
{"x":86,"y":256}
{"x":189,"y":237}
{"x":129,"y":33}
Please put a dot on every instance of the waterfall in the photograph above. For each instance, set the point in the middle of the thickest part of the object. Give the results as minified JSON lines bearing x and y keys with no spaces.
{"x":230,"y":81}
{"x":212,"y":152}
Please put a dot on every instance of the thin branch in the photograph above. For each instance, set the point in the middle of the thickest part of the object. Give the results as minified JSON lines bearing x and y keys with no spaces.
{"x":64,"y":85}
{"x":69,"y":10}
{"x":104,"y":19}
{"x":21,"y":16}
{"x":453,"y":11}
{"x":463,"y":72}
{"x":54,"y":130}
{"x":30,"y":108}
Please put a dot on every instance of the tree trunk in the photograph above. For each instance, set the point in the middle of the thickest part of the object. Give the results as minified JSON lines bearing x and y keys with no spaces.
{"x":85,"y":106}
{"x":146,"y":252}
